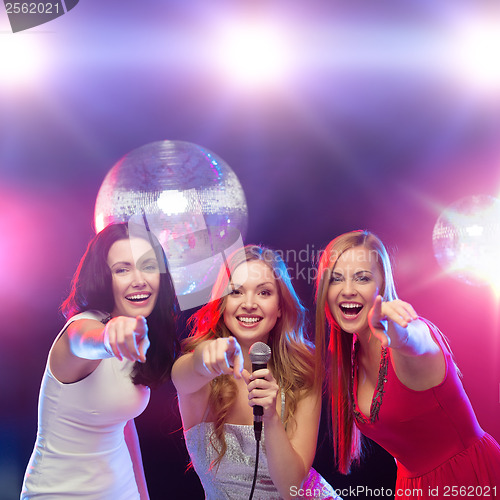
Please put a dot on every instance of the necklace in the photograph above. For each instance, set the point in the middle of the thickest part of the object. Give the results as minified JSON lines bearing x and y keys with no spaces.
{"x":379,"y":390}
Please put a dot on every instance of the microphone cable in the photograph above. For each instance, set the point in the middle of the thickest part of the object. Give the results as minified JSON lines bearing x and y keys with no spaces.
{"x":257,"y":448}
{"x":260,"y":354}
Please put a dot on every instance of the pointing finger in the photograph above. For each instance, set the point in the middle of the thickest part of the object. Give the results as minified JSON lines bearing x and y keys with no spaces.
{"x":141,"y":326}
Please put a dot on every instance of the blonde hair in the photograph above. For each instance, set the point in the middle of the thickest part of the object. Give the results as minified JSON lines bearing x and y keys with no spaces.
{"x":292,"y":355}
{"x":337,"y":367}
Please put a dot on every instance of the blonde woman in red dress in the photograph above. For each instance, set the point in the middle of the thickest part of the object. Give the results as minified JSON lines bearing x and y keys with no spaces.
{"x":392,"y":378}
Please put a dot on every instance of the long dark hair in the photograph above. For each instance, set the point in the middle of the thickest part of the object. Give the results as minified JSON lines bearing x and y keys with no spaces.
{"x":91,"y":289}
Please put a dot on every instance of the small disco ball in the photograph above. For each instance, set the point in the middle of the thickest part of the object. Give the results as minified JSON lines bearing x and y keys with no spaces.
{"x":466,"y":240}
{"x":189,"y":198}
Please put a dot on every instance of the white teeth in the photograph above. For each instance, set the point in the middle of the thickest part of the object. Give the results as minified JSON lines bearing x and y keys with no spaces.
{"x":351,"y":306}
{"x":142,"y":296}
{"x":248,"y":320}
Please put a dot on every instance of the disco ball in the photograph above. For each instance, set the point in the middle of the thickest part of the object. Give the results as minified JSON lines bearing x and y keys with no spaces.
{"x":189,"y":198}
{"x":466,"y":240}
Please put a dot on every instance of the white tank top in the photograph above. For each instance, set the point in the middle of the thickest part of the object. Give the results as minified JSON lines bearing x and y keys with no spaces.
{"x":80,"y":449}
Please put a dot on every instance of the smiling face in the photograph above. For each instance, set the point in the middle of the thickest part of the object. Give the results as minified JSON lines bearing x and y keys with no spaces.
{"x":135,"y":277}
{"x":253,"y":307}
{"x":355,"y":282}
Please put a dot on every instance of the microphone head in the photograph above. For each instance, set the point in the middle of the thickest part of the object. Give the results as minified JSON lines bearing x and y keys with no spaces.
{"x":260,"y":353}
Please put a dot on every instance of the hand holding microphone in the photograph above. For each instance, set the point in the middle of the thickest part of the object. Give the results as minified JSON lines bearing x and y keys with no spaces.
{"x":262,"y":386}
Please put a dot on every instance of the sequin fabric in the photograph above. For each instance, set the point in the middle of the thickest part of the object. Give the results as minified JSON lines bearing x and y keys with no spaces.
{"x":232,"y":480}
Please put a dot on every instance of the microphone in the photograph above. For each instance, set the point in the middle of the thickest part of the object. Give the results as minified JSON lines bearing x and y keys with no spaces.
{"x":260,"y":354}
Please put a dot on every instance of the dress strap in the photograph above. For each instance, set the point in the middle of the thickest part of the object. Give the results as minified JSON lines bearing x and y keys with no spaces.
{"x":205,"y":415}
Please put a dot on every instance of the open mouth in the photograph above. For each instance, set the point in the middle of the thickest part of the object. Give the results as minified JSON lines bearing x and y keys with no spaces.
{"x":350,"y":309}
{"x":249,"y":320}
{"x":138,"y":297}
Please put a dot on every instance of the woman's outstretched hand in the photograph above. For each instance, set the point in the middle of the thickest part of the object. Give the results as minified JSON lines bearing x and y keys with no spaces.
{"x":126,"y":337}
{"x":221,"y":356}
{"x":396,"y":311}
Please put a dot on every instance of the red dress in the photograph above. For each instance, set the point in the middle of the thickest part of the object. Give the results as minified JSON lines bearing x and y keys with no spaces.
{"x":440,"y":449}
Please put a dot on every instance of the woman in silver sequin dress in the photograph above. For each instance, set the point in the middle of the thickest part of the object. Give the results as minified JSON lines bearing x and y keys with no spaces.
{"x":253,"y":300}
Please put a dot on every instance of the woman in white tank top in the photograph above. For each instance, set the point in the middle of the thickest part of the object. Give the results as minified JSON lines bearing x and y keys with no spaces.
{"x":118,"y":342}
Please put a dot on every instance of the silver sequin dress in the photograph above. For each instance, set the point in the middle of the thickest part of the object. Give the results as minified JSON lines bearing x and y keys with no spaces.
{"x":232,"y":480}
